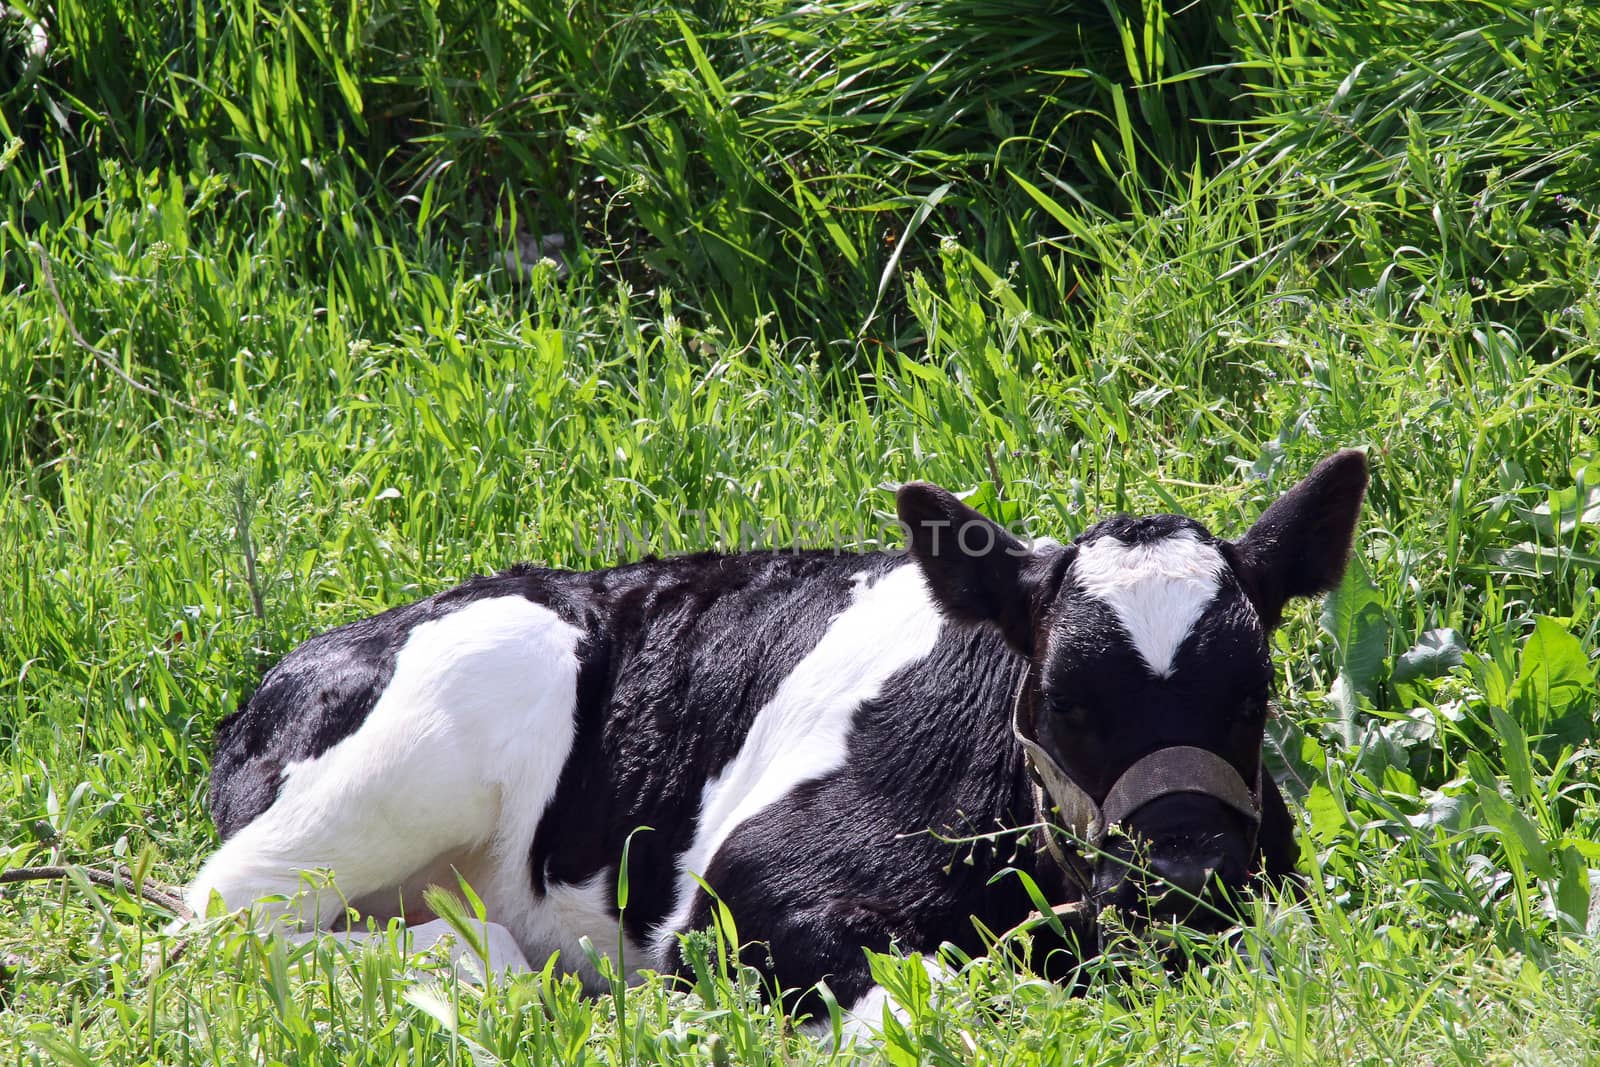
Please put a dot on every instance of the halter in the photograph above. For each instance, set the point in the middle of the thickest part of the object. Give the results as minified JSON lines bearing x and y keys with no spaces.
{"x":1174,"y":769}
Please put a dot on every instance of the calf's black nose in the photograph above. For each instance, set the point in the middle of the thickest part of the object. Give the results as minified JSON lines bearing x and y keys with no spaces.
{"x":1187,"y":876}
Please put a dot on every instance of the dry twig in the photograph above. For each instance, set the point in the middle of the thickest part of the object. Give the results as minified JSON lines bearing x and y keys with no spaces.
{"x":164,"y":897}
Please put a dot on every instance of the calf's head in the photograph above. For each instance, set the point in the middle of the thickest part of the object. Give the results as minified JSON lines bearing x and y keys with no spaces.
{"x":1149,"y":677}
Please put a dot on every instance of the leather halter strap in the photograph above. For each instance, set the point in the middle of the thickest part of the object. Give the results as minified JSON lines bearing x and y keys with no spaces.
{"x":1180,"y":769}
{"x":1175,"y":769}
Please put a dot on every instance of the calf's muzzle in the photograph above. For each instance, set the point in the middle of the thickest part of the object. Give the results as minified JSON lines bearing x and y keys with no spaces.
{"x":1185,"y":861}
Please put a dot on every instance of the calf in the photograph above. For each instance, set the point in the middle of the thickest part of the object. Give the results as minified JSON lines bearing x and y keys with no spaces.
{"x":843,"y":747}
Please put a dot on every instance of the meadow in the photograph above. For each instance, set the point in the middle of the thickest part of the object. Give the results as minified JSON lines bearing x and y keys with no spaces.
{"x":285,"y":340}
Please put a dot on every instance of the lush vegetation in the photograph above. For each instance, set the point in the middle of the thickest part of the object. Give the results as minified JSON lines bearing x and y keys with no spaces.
{"x":270,"y":359}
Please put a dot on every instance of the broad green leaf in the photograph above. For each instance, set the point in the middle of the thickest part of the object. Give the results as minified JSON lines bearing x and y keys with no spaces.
{"x":1539,"y":561}
{"x":1493,"y":677}
{"x":1354,"y":617}
{"x":1447,"y":810}
{"x":1328,"y":819}
{"x":1517,"y":833}
{"x":1565,"y":510}
{"x":1435,"y":652}
{"x":1573,"y":889}
{"x":1554,"y":673}
{"x":1514,"y":753}
{"x":1348,"y":705}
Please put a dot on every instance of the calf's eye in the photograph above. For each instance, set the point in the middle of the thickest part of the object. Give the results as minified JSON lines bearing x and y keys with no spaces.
{"x":1071,"y":714}
{"x":1258,"y":710}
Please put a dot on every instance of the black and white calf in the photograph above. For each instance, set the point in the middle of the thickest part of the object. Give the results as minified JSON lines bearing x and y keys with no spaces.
{"x":805,"y":732}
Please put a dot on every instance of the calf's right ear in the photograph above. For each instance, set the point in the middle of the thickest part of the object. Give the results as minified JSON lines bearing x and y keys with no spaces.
{"x":977,"y":570}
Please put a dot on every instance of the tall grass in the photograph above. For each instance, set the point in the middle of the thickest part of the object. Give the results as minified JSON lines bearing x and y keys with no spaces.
{"x":263,"y":369}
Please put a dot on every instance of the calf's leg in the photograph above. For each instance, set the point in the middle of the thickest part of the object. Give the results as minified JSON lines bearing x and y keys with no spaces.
{"x":1275,"y":841}
{"x":501,"y":953}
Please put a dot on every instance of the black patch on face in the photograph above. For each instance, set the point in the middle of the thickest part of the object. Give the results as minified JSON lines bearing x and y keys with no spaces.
{"x":1144,"y":529}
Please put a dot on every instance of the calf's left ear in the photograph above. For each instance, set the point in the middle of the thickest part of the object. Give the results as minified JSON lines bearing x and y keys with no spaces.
{"x":1301,"y":544}
{"x":975,"y":568}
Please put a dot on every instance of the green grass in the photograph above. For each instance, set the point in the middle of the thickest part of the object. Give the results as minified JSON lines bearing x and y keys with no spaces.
{"x":252,"y":307}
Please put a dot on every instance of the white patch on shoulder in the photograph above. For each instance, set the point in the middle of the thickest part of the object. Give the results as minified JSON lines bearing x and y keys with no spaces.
{"x":1157,"y":590}
{"x":803,"y":732}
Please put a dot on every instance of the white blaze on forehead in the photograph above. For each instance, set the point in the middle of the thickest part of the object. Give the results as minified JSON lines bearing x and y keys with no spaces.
{"x":1157,"y":590}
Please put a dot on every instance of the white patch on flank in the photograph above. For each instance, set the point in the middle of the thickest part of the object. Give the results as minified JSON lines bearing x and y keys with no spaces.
{"x":1157,"y":591}
{"x":449,"y":773}
{"x":803,"y":732}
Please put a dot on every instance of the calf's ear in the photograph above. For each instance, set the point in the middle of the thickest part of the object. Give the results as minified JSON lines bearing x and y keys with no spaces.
{"x":1301,"y":544}
{"x":976,"y":570}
